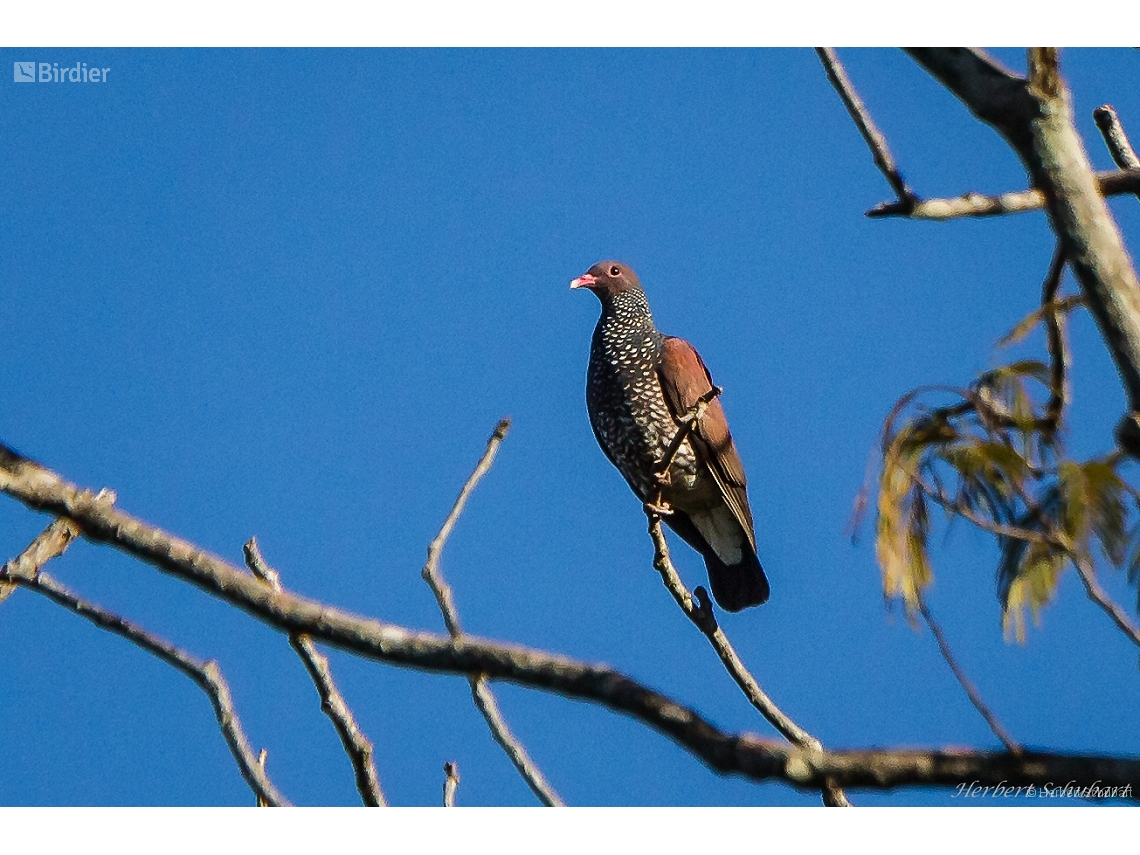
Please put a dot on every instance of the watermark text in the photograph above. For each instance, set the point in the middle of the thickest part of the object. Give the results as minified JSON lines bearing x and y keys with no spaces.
{"x":1070,"y":790}
{"x":52,"y":72}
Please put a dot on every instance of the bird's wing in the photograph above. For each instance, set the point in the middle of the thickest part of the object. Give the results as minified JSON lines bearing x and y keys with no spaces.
{"x":684,"y":379}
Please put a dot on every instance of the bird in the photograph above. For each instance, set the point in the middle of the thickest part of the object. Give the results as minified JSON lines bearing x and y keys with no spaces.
{"x":641,"y":386}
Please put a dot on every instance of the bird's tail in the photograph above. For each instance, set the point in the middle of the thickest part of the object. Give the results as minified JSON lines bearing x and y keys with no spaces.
{"x":737,"y":586}
{"x":734,"y":586}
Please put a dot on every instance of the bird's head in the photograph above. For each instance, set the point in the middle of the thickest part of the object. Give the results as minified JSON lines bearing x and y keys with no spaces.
{"x":607,"y":279}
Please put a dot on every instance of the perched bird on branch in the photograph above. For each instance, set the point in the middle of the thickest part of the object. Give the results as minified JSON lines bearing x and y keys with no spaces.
{"x":641,"y":387}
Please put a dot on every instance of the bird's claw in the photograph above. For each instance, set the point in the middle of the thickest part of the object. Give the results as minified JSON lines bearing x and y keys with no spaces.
{"x":661,"y":509}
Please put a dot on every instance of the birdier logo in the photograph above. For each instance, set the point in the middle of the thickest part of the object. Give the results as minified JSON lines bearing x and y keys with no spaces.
{"x":51,"y":72}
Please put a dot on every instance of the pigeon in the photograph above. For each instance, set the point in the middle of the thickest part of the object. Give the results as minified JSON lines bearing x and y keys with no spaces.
{"x":640,"y":385}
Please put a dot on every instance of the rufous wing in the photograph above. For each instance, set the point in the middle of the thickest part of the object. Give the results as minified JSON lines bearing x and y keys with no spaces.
{"x":684,"y":379}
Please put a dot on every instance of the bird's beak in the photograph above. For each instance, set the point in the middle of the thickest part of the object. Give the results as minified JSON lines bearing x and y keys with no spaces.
{"x":583,"y":281}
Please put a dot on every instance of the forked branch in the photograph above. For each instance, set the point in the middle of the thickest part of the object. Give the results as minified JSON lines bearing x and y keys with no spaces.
{"x":26,"y":572}
{"x":729,"y":753}
{"x":700,"y":612}
{"x":480,"y":692}
{"x":356,"y":744}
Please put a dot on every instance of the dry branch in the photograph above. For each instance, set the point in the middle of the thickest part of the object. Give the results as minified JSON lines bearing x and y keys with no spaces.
{"x":1115,"y":137}
{"x":450,"y":783}
{"x":356,"y":744}
{"x":25,"y":571}
{"x":1115,"y":183}
{"x":964,"y":681}
{"x":743,"y":753}
{"x":1035,"y":117}
{"x":1051,"y":536}
{"x":480,"y":692}
{"x":862,"y":118}
{"x":701,"y":614}
{"x":1097,"y":594}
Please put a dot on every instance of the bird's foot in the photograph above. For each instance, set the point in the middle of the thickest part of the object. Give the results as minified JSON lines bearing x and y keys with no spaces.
{"x":661,"y":509}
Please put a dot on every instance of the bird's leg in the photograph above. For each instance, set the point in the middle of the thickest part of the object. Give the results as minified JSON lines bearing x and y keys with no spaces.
{"x":656,"y":505}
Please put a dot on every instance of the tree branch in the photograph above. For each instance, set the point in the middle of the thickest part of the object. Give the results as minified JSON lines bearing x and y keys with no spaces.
{"x":450,"y":783}
{"x":744,"y":754}
{"x":481,"y":693}
{"x":1055,"y":338}
{"x":356,"y":744}
{"x":1097,"y":595}
{"x":874,"y":139}
{"x":1053,"y":538}
{"x":702,"y":615}
{"x":50,"y":543}
{"x":25,"y":571}
{"x":1115,"y":137}
{"x":964,"y":681}
{"x":1035,"y":118}
{"x":1116,"y":183}
{"x":996,"y":96}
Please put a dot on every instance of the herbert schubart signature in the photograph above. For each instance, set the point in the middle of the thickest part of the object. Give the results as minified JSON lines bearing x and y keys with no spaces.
{"x":1070,"y":790}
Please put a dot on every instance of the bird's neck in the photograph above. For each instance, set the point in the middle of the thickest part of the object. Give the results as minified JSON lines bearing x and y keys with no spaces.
{"x":628,"y":309}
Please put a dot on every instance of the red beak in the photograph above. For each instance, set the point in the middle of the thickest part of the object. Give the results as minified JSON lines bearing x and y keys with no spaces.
{"x":583,"y":281}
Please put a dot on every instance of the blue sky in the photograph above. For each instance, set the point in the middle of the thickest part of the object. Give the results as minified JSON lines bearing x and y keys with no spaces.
{"x":288,"y":293}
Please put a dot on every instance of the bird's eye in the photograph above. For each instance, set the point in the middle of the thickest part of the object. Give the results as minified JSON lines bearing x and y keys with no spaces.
{"x":615,"y":271}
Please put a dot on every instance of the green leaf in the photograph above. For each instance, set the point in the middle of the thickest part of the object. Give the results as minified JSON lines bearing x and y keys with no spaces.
{"x":903,"y":521}
{"x":1032,"y":587}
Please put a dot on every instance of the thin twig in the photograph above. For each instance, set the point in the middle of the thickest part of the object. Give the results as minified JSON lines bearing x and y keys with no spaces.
{"x":50,"y":543}
{"x":875,"y":140}
{"x":1115,"y":183}
{"x":262,"y":757}
{"x":964,"y":681}
{"x":1097,"y":595}
{"x":688,"y":423}
{"x":25,"y":572}
{"x":1115,"y":138}
{"x":356,"y":744}
{"x":1053,"y":538}
{"x":701,"y":613}
{"x":450,"y":783}
{"x":1058,"y":354}
{"x":726,"y":752}
{"x":480,"y":692}
{"x":702,"y":616}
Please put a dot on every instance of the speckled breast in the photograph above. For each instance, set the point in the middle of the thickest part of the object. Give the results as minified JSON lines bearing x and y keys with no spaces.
{"x":628,"y":410}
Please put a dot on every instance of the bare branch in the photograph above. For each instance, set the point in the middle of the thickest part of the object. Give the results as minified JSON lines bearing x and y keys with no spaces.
{"x":875,"y":140}
{"x":1115,"y":138}
{"x":207,"y":675}
{"x":702,"y":614}
{"x":687,"y":424}
{"x":992,"y":93}
{"x":480,"y":691}
{"x":1055,"y":337}
{"x":50,"y":543}
{"x":1097,"y":594}
{"x":1116,"y":183}
{"x":1036,"y":119}
{"x":964,"y":681}
{"x":450,"y":784}
{"x":262,"y":757}
{"x":431,"y":573}
{"x":957,"y":770}
{"x":741,"y":753}
{"x":703,"y":618}
{"x":1051,"y":536}
{"x":356,"y":744}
